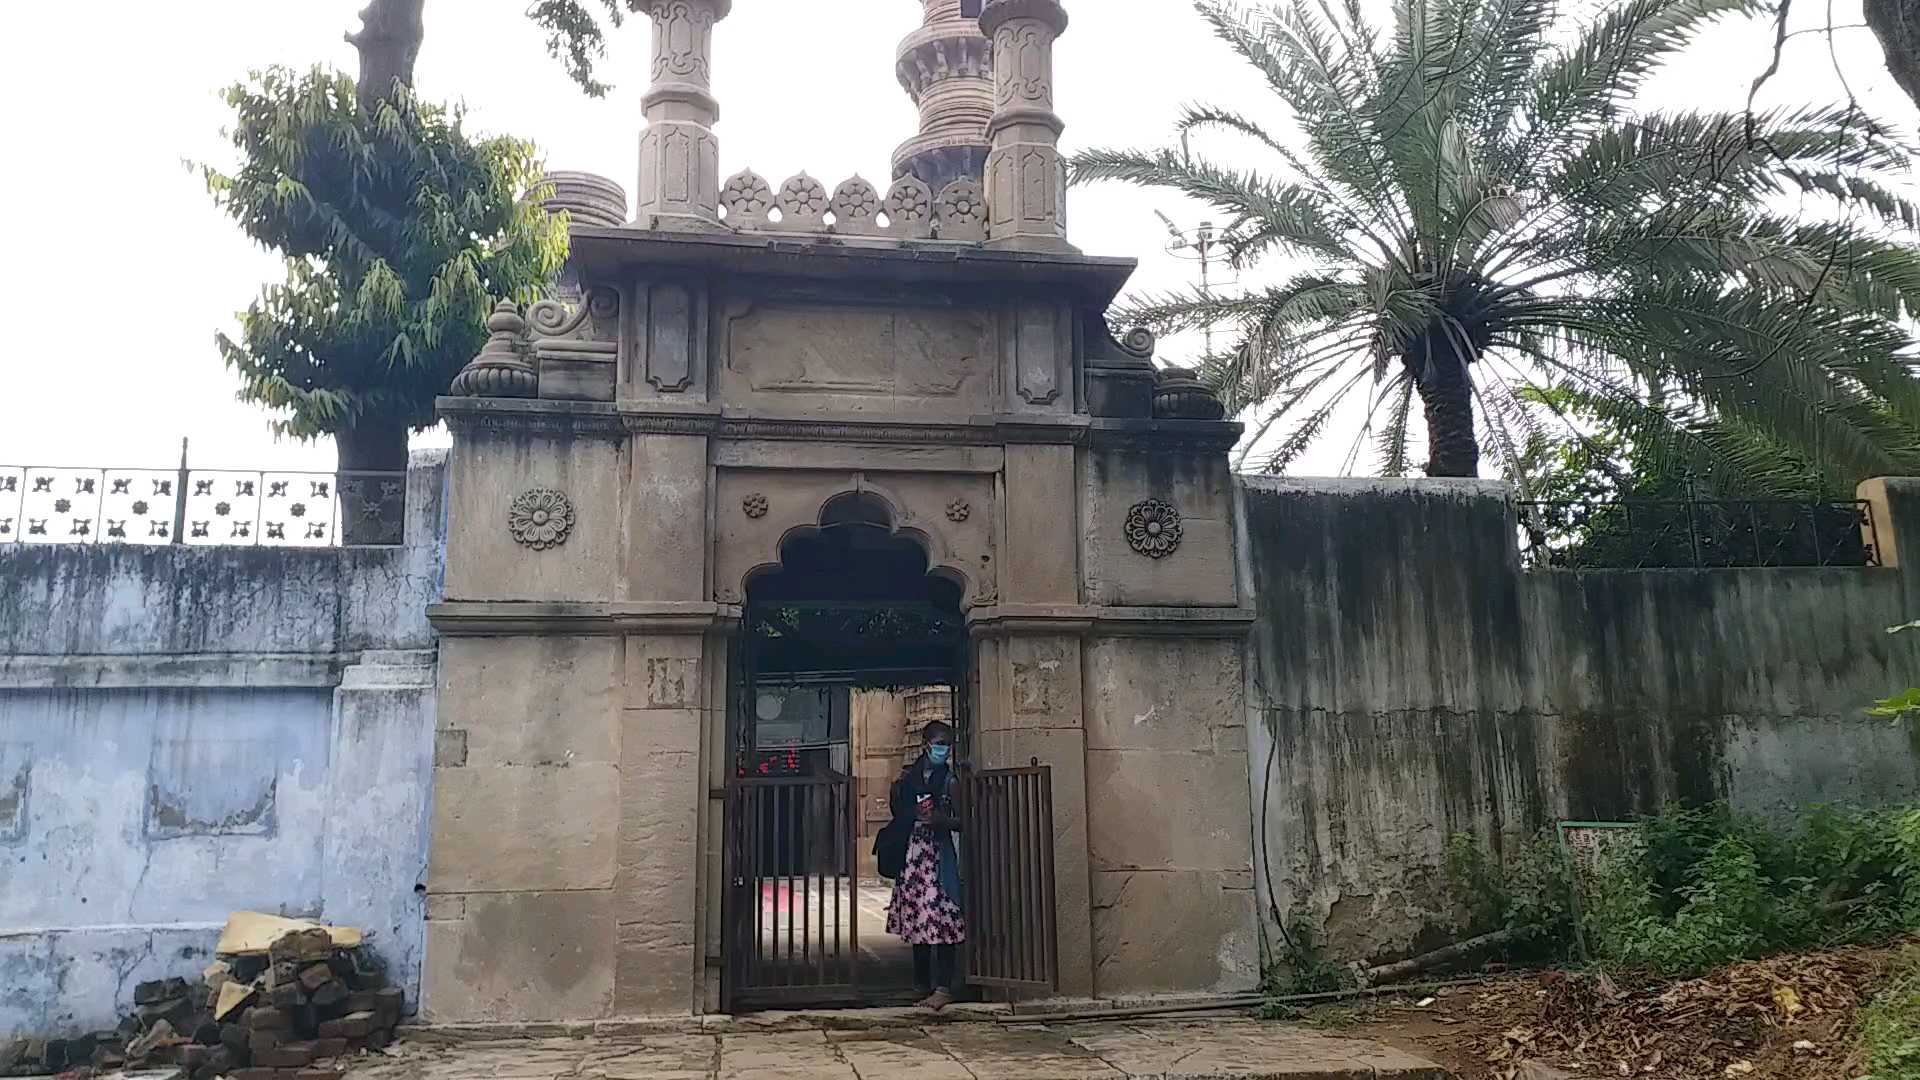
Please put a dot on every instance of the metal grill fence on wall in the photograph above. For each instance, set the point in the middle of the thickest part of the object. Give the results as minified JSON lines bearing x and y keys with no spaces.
{"x":62,"y":505}
{"x":1651,"y":534}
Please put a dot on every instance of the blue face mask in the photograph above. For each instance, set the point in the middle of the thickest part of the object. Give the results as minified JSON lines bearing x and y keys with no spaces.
{"x":938,"y":753}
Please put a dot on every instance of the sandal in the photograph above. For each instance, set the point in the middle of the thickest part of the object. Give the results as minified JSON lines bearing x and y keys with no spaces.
{"x":937,"y":1001}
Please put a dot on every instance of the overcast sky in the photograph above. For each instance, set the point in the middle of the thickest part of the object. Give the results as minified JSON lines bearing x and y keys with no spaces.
{"x":120,"y":270}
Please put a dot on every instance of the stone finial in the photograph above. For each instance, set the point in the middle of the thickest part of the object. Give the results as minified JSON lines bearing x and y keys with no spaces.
{"x":748,"y":199}
{"x":679,"y":154}
{"x":1026,"y":175}
{"x":856,"y":208}
{"x":803,"y":204}
{"x":946,"y":67}
{"x":961,"y":212}
{"x":909,"y":208}
{"x":500,"y":370}
{"x":586,"y":198}
{"x":1178,"y":394}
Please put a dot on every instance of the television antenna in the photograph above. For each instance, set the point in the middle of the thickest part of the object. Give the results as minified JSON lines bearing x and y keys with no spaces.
{"x":1201,"y":246}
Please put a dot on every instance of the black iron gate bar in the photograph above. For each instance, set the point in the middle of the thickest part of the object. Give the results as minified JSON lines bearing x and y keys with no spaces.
{"x":1007,"y":834}
{"x":803,"y":948}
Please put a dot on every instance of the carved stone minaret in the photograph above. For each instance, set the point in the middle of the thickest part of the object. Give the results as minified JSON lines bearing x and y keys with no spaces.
{"x":679,"y":154}
{"x":1026,"y":176}
{"x":946,"y":66}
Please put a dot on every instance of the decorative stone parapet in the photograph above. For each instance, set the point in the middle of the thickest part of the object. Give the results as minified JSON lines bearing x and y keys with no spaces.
{"x":679,"y":153}
{"x":909,"y":210}
{"x":1026,"y":175}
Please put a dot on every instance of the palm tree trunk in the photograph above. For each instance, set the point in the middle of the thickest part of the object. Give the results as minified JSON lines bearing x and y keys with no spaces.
{"x":1897,"y":24}
{"x":1446,"y":394}
{"x":389,"y":43}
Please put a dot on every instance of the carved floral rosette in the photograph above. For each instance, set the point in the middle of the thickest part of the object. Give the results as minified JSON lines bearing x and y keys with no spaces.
{"x":1153,"y":528}
{"x":540,"y":518}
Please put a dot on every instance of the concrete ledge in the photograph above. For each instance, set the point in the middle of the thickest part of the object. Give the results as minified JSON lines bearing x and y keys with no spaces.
{"x":220,"y":671}
{"x":1115,"y":621}
{"x":493,"y":618}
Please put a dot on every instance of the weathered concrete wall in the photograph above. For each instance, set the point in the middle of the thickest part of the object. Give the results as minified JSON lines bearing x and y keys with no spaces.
{"x":1411,"y":681}
{"x":189,"y":731}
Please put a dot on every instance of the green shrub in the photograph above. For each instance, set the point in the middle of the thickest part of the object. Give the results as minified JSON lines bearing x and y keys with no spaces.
{"x":1305,"y":969}
{"x":1530,"y":890}
{"x":1702,"y":887}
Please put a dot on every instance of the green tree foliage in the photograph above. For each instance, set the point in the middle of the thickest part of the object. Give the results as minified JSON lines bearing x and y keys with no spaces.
{"x":1483,"y":213}
{"x":399,"y":232}
{"x":576,"y":37}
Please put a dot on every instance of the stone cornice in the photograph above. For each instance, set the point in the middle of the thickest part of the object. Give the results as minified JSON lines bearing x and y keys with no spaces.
{"x":174,"y":671}
{"x":495,"y":618}
{"x":608,"y":252}
{"x":592,"y":419}
{"x":1157,"y":436}
{"x":1005,"y":619}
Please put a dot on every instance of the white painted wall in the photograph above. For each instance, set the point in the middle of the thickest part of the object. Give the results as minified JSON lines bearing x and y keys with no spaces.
{"x":185,"y":732}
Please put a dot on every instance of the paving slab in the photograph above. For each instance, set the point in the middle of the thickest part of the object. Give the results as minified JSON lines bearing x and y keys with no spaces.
{"x":1211,"y":1049}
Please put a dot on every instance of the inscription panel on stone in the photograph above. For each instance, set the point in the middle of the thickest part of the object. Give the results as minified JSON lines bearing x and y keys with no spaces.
{"x":862,"y":358}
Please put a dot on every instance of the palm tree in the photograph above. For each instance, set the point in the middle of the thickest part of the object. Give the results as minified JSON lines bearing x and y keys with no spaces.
{"x":1483,"y":218}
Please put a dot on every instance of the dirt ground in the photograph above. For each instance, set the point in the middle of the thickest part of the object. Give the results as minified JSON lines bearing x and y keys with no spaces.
{"x":1793,"y":1017}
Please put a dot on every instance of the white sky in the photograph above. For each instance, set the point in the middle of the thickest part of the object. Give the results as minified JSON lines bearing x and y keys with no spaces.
{"x":121,"y":270}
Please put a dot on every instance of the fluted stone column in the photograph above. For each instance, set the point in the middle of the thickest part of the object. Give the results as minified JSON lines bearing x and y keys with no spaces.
{"x":946,"y":67}
{"x":1026,"y":176}
{"x":679,"y":154}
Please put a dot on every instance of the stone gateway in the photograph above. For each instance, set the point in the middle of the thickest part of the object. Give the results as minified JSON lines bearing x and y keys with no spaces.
{"x":672,"y":483}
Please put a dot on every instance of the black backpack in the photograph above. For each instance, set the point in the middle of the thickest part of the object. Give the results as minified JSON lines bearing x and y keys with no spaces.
{"x":890,"y":847}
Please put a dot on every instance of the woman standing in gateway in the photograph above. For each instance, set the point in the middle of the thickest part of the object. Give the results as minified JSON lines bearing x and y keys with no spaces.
{"x":918,"y":850}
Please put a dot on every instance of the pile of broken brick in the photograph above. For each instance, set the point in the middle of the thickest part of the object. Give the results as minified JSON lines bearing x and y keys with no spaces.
{"x":295,"y":1011}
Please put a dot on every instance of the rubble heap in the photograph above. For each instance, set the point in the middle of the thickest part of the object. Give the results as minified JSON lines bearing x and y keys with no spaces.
{"x":293,"y":1011}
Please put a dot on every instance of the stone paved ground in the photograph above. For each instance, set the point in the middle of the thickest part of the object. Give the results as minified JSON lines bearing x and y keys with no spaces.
{"x":1114,"y":1050}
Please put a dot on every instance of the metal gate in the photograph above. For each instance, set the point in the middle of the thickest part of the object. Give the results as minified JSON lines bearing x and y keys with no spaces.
{"x":793,"y":897}
{"x":1007,"y":840}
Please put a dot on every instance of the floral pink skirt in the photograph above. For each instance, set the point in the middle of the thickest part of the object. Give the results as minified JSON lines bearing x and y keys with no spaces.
{"x":919,"y":913}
